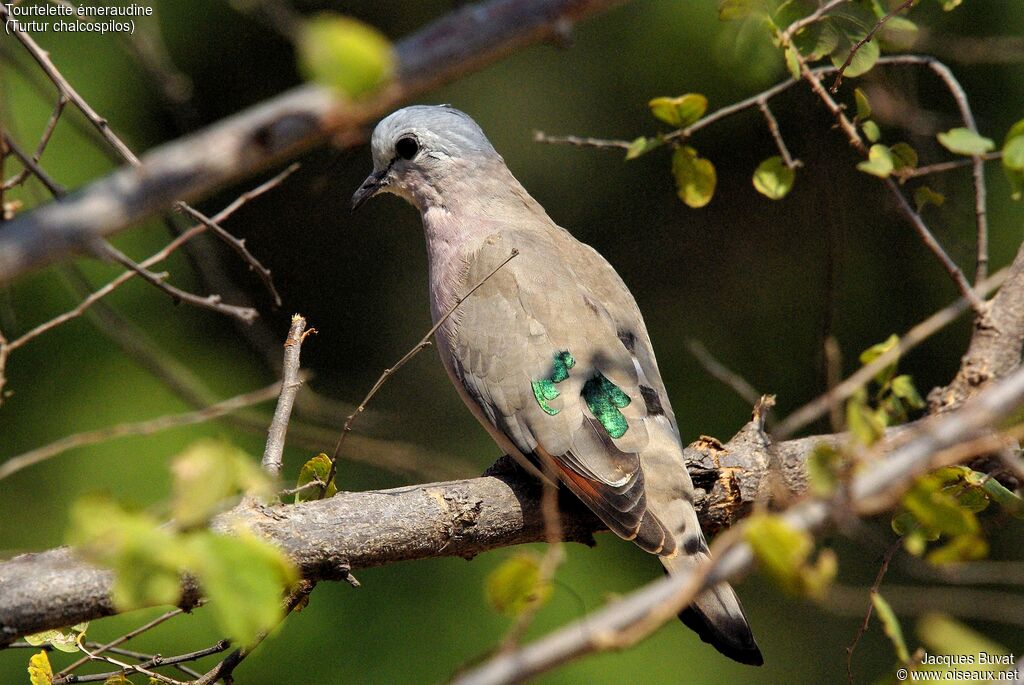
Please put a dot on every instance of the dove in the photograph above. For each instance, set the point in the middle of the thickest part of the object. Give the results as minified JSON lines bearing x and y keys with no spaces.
{"x":550,"y":353}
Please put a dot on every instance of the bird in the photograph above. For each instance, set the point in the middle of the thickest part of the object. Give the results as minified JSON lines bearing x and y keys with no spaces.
{"x":550,"y":353}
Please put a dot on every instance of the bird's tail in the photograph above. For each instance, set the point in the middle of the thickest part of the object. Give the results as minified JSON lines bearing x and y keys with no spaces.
{"x":716,"y":615}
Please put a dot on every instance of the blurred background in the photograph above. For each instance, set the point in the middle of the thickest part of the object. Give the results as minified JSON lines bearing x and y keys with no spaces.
{"x":759,"y":283}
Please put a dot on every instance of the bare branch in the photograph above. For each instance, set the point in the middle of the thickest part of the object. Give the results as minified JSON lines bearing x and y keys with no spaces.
{"x":722,"y":373}
{"x":191,"y":167}
{"x":852,"y":647}
{"x":773,"y":128}
{"x":15,"y":464}
{"x":290,"y":384}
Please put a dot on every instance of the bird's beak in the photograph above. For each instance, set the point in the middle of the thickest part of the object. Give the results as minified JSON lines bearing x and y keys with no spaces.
{"x":371,"y":186}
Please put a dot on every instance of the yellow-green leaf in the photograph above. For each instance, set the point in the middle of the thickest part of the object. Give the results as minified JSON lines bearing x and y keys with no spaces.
{"x":244,"y":576}
{"x":823,"y":469}
{"x":65,"y":640}
{"x":863,"y":60}
{"x":899,"y":33}
{"x":866,"y":426}
{"x":924,"y":196}
{"x":903,"y":388}
{"x":643,"y":145}
{"x":39,"y":670}
{"x":1013,"y":164}
{"x":516,"y":584}
{"x":695,"y":177}
{"x":773,"y":178}
{"x":118,"y":679}
{"x":784,"y":553}
{"x":959,"y":549}
{"x":904,"y":156}
{"x":317,"y":468}
{"x":729,"y":10}
{"x":871,"y":131}
{"x":344,"y":53}
{"x":944,"y":635}
{"x":877,"y":350}
{"x":863,"y":105}
{"x":146,"y":557}
{"x":891,"y":626}
{"x":963,"y":141}
{"x":209,"y":474}
{"x":879,"y":163}
{"x":681,"y":111}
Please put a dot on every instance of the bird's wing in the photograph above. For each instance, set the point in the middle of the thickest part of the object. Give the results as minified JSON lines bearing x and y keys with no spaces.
{"x":538,"y":351}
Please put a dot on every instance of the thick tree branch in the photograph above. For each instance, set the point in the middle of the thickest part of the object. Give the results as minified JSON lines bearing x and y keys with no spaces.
{"x":329,"y":538}
{"x":194,"y":166}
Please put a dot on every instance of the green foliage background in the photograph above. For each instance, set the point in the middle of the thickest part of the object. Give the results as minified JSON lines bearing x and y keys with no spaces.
{"x":748,"y":277}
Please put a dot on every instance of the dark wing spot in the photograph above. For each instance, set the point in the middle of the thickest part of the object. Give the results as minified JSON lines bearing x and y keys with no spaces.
{"x":628,"y":340}
{"x":652,"y":401}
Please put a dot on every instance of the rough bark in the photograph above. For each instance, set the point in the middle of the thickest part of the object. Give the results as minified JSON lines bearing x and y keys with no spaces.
{"x":328,"y":538}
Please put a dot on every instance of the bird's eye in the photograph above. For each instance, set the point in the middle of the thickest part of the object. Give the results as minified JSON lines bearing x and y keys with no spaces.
{"x":407,"y":147}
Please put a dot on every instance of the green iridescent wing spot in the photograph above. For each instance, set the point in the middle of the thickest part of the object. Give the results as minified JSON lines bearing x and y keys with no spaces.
{"x":544,"y":390}
{"x":604,"y":399}
{"x":563,"y":362}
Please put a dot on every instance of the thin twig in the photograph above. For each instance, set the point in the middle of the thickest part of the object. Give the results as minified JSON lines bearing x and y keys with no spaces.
{"x":49,"y":68}
{"x":290,"y":383}
{"x":122,"y":639}
{"x":236,"y":244}
{"x":719,"y":371}
{"x":819,"y":406}
{"x":578,"y":141}
{"x":866,"y":39}
{"x":15,"y":464}
{"x":939,"y":167}
{"x":129,"y":668}
{"x":211,"y":302}
{"x":32,"y":165}
{"x":773,"y":127}
{"x":852,"y":647}
{"x":51,"y":125}
{"x":811,"y":18}
{"x":424,"y":342}
{"x":147,"y":661}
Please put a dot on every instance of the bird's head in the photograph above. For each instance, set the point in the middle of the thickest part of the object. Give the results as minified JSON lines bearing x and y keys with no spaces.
{"x":421,"y":152}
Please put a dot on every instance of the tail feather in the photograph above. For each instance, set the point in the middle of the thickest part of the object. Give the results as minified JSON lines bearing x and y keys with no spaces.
{"x":717,"y":616}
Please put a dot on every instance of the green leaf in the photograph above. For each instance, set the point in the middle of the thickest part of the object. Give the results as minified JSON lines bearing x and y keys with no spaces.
{"x":957,"y":550}
{"x":939,"y":510}
{"x":1013,"y":164}
{"x":39,"y":670}
{"x":146,"y":557}
{"x":206,"y":476}
{"x":317,"y":468}
{"x":817,"y":41}
{"x":944,"y":635}
{"x":244,"y":576}
{"x":516,"y":584}
{"x":773,"y":178}
{"x":880,"y":162}
{"x":679,"y":112}
{"x":903,"y":388}
{"x":963,"y":141}
{"x":877,"y":350}
{"x":695,"y":177}
{"x":643,"y":145}
{"x":863,"y":105}
{"x":950,"y":5}
{"x":924,"y":196}
{"x":863,"y":423}
{"x":904,"y":156}
{"x":871,"y":131}
{"x":65,"y":640}
{"x":1015,"y":131}
{"x":729,"y":10}
{"x":863,"y":61}
{"x":1010,"y":501}
{"x":792,"y":64}
{"x":118,"y":679}
{"x":891,"y":626}
{"x":899,"y":33}
{"x":338,"y":51}
{"x":784,"y":553}
{"x":824,"y":467}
